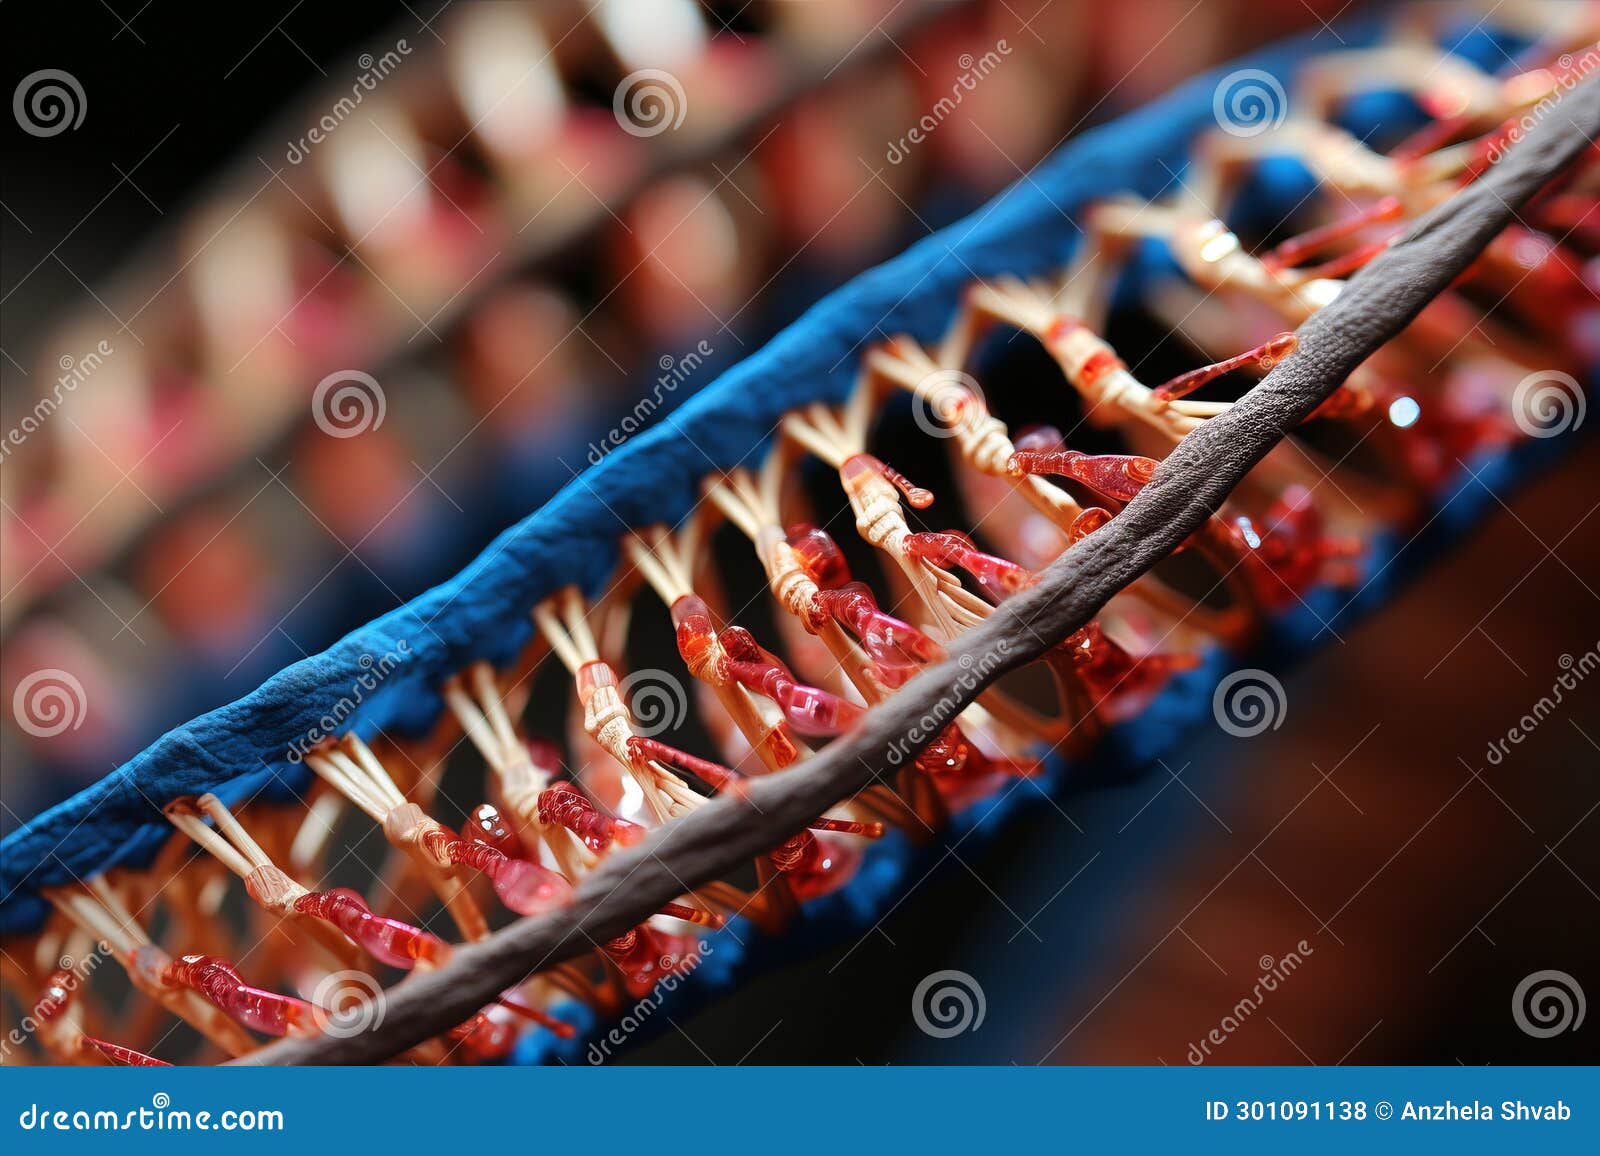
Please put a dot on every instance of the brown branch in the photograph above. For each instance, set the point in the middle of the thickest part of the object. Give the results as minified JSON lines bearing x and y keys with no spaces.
{"x":1188,"y":487}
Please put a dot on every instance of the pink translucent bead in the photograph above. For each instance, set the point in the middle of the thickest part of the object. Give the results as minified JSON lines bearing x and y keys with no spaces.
{"x":824,"y":562}
{"x":562,"y":804}
{"x":265,"y":1011}
{"x":645,"y":956}
{"x":888,"y":641}
{"x":388,"y":940}
{"x":810,"y":710}
{"x":997,"y":577}
{"x":1118,"y":477}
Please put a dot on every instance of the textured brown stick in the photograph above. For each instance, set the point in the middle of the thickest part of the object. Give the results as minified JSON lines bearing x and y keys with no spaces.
{"x":1187,"y":488}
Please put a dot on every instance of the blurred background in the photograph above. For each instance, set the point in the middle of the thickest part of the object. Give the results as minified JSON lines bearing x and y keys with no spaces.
{"x":431,"y":226}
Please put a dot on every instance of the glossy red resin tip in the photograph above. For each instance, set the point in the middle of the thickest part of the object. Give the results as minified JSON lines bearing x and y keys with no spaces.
{"x":810,"y":710}
{"x":1265,"y":356}
{"x":896,"y":647}
{"x":917,"y":497}
{"x":388,"y":940}
{"x":645,"y":956}
{"x":1114,"y":676}
{"x":488,"y":826}
{"x":1292,"y":544}
{"x":525,"y":887}
{"x":265,"y":1011}
{"x":124,"y":1057}
{"x":820,"y":555}
{"x":562,"y":804}
{"x":1299,"y":247}
{"x":1116,"y":476}
{"x":951,"y":550}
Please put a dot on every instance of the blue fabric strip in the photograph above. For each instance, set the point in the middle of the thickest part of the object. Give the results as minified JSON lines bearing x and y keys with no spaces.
{"x":390,"y":670}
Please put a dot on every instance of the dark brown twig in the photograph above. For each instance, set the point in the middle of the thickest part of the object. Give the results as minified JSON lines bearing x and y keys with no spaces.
{"x":1188,"y":487}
